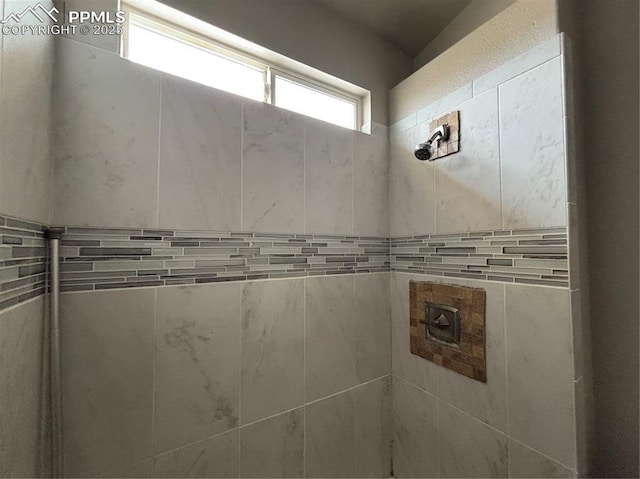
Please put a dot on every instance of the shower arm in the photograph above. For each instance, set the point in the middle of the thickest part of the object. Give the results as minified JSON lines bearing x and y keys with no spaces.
{"x":441,"y":134}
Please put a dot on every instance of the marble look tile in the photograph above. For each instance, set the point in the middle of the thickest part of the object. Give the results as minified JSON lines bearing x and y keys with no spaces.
{"x":405,"y":365}
{"x":444,"y":104}
{"x":405,"y":123}
{"x":372,"y":404}
{"x":200,"y":157}
{"x":372,"y":331}
{"x":532,"y":148}
{"x":213,"y":457}
{"x":371,"y":185}
{"x":272,"y":378}
{"x":415,"y":431}
{"x":273,"y":447}
{"x":329,"y":439}
{"x":378,"y":129}
{"x":106,"y":159}
{"x":540,"y":372}
{"x":23,"y":389}
{"x":273,"y":169}
{"x":328,"y":178}
{"x":526,"y":463}
{"x":25,"y":123}
{"x":411,"y":185}
{"x":197,"y":363}
{"x":469,"y":448}
{"x":485,"y":401}
{"x":528,"y":60}
{"x":468,"y":183}
{"x":107,"y":356}
{"x":330,"y":328}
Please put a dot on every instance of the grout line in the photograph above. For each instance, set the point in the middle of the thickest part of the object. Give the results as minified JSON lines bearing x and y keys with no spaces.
{"x":304,"y":177}
{"x":304,"y":376}
{"x":162,"y":77}
{"x":353,"y":183}
{"x":153,"y":374}
{"x":242,"y":103}
{"x":240,"y":298}
{"x":502,"y":222}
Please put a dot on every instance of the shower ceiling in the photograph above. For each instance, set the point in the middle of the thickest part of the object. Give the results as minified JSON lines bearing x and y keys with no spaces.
{"x":408,"y":24}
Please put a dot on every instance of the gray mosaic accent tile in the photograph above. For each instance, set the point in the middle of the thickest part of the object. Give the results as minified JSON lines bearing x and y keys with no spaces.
{"x":23,"y":261}
{"x":516,"y":256}
{"x":98,"y":258}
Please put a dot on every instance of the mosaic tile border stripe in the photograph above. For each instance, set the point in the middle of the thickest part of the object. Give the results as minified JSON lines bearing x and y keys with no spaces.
{"x":23,"y":261}
{"x":537,"y":256}
{"x":99,"y":258}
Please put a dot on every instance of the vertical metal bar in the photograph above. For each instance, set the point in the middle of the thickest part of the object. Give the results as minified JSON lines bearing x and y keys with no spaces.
{"x":54,"y":235}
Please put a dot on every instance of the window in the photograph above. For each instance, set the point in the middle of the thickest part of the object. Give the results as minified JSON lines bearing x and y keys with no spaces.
{"x":186,"y":47}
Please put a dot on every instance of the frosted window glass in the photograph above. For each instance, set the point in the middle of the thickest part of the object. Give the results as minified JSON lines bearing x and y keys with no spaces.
{"x":302,"y":99}
{"x":155,"y":50}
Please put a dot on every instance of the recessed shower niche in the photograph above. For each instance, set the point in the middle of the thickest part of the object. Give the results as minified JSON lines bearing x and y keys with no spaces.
{"x":448,"y":326}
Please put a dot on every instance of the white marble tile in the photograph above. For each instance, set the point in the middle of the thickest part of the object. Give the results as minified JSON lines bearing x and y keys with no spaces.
{"x":330,"y":341}
{"x":273,"y":447}
{"x":328,"y":178}
{"x":23,"y":389}
{"x":527,"y":463}
{"x":485,"y":401}
{"x":197,"y":387}
{"x":106,"y":160}
{"x":468,"y":182}
{"x":372,"y":404}
{"x":213,"y":457}
{"x":405,"y":123}
{"x":26,"y":136}
{"x":378,"y":129}
{"x":528,"y":60}
{"x":532,"y":149}
{"x":107,"y":358}
{"x":373,"y":326}
{"x":273,"y":169}
{"x":405,"y":365}
{"x":540,"y":371}
{"x":444,"y":104}
{"x":415,"y":432}
{"x":330,"y":437}
{"x":411,"y":185}
{"x":200,"y":157}
{"x":371,"y":185}
{"x":469,"y":448}
{"x":272,"y":348}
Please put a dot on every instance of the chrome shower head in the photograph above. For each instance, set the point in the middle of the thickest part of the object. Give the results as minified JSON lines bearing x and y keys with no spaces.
{"x":424,"y":151}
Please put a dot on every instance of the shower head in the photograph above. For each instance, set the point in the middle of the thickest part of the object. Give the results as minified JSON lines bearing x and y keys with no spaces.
{"x":424,"y":151}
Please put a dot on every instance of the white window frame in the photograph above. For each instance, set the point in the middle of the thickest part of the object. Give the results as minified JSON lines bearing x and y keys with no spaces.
{"x":165,"y":20}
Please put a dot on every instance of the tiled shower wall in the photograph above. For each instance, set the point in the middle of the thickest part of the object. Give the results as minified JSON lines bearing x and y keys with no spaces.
{"x":25,"y":171}
{"x":498,"y":215}
{"x":245,"y":343}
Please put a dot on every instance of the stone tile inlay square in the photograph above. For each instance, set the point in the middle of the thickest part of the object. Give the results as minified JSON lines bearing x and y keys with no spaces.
{"x":468,"y":357}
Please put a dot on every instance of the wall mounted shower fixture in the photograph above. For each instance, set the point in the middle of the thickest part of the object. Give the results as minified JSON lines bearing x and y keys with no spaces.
{"x":444,"y":140}
{"x":424,"y":151}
